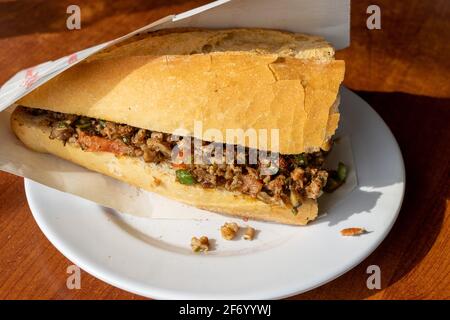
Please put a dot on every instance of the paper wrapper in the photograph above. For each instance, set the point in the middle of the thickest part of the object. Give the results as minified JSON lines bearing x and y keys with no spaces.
{"x":328,"y":18}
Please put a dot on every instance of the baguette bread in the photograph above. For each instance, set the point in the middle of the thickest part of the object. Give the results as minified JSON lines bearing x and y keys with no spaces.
{"x":227,"y":79}
{"x":156,"y":178}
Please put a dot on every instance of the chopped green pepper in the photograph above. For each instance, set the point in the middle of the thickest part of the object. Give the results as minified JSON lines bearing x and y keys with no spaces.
{"x":295,"y":201}
{"x":185,"y":177}
{"x":301,"y":159}
{"x":336,"y":178}
{"x":295,"y":198}
{"x":342,"y":171}
{"x":332,"y":183}
{"x":83,"y":125}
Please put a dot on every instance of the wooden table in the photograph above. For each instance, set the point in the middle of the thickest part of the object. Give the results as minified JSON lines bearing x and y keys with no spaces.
{"x":402,"y":70}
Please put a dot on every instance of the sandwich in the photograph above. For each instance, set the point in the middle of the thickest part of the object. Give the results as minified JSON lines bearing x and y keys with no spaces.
{"x":176,"y":112}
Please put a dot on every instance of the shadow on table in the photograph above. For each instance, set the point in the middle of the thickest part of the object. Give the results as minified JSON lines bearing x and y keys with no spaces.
{"x":421,"y":126}
{"x":44,"y":16}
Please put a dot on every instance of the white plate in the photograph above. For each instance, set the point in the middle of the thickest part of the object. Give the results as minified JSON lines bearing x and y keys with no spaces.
{"x":152,"y":257}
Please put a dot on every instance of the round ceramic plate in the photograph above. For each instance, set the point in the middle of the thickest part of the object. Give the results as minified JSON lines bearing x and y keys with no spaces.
{"x":152,"y":257}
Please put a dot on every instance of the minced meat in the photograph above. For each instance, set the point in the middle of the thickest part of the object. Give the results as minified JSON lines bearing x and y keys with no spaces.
{"x":301,"y":174}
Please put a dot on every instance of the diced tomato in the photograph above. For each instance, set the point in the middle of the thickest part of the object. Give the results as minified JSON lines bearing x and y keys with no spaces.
{"x":179,"y":165}
{"x":99,"y":144}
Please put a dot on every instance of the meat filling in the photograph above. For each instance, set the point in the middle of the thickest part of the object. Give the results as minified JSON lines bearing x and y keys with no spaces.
{"x":298,"y":176}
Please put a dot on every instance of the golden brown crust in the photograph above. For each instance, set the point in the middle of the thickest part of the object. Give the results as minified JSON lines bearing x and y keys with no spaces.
{"x":156,"y":178}
{"x":187,"y":41}
{"x":288,"y":83}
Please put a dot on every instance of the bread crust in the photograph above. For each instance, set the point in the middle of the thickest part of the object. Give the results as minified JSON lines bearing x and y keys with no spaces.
{"x":289,"y":82}
{"x":156,"y":178}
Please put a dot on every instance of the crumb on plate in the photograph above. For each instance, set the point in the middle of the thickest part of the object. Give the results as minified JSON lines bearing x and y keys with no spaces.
{"x":200,"y":245}
{"x":229,"y":230}
{"x":249,"y":233}
{"x":348,"y":232}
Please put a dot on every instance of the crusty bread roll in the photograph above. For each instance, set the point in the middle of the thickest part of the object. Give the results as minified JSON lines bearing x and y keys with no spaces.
{"x":156,"y":178}
{"x":227,"y":79}
{"x":223,"y":79}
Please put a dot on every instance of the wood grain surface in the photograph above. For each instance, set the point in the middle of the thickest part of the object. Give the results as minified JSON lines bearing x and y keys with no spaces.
{"x":402,"y":70}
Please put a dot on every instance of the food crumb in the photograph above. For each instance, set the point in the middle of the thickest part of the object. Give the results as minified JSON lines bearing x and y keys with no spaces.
{"x":200,"y":245}
{"x":348,"y":232}
{"x":229,"y":230}
{"x":156,"y":181}
{"x":249,"y":233}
